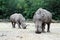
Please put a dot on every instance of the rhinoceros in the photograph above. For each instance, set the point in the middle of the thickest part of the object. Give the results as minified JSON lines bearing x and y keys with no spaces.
{"x":41,"y":18}
{"x":19,"y":19}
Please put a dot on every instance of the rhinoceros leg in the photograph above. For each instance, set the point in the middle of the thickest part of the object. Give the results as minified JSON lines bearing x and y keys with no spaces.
{"x":48,"y":28}
{"x":19,"y":24}
{"x":43,"y":27}
{"x":13,"y":24}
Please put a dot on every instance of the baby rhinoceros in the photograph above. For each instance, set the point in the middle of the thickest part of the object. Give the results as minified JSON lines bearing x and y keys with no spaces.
{"x":40,"y":18}
{"x":19,"y":19}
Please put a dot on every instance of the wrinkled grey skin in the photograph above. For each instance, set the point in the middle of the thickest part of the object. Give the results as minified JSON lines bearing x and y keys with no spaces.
{"x":41,"y":18}
{"x":19,"y":19}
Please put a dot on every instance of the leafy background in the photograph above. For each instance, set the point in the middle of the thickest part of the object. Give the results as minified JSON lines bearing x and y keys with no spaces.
{"x":28,"y":7}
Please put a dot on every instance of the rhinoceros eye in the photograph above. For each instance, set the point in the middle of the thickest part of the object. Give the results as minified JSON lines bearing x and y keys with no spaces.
{"x":39,"y":19}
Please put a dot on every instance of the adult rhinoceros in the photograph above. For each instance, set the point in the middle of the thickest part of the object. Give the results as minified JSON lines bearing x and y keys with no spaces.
{"x":40,"y":18}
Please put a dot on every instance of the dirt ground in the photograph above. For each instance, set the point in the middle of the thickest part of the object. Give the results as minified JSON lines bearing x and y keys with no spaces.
{"x":9,"y":33}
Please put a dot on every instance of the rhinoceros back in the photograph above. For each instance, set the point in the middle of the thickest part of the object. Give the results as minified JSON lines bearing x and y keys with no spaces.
{"x":17,"y":17}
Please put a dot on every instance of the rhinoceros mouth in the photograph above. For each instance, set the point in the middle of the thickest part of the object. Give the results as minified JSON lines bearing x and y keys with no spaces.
{"x":37,"y":32}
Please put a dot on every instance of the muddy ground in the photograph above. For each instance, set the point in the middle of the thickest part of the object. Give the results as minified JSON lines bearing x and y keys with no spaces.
{"x":9,"y":33}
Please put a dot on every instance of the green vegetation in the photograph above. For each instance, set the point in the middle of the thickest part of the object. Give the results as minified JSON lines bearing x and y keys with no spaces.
{"x":28,"y":7}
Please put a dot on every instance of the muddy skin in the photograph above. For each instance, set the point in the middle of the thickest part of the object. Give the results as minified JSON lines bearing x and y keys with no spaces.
{"x":41,"y":18}
{"x":18,"y":19}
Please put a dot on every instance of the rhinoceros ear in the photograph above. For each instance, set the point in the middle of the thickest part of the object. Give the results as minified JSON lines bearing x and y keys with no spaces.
{"x":43,"y":15}
{"x":40,"y":12}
